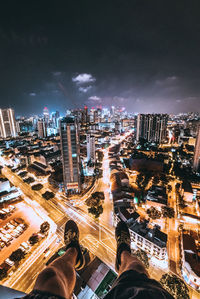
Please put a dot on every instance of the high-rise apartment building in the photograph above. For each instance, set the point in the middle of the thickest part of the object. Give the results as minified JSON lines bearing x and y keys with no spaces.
{"x":85,"y":116}
{"x":46,"y":114}
{"x":91,"y":148}
{"x":69,"y":139}
{"x":196,"y":162}
{"x":55,"y":119}
{"x":7,"y":123}
{"x":93,"y":115}
{"x":152,"y":127}
{"x":42,"y":128}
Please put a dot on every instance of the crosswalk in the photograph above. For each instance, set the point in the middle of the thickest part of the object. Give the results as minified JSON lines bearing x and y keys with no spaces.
{"x":91,"y":243}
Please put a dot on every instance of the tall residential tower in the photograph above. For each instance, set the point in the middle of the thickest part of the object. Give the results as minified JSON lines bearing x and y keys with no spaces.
{"x":69,"y":139}
{"x":196,"y":162}
{"x":152,"y":127}
{"x":7,"y":123}
{"x":91,"y":148}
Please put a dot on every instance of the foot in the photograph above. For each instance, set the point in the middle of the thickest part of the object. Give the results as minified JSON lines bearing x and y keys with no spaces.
{"x":71,"y":239}
{"x":123,"y":240}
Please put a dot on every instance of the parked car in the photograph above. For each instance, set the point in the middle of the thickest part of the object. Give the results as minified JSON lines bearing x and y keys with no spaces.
{"x":11,"y":227}
{"x":13,"y":223}
{"x":9,"y":262}
{"x":25,"y":246}
{"x":2,"y":244}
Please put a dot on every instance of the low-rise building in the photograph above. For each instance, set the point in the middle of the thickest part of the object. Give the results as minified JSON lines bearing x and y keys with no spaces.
{"x":156,"y":196}
{"x":190,"y":261}
{"x":151,"y":240}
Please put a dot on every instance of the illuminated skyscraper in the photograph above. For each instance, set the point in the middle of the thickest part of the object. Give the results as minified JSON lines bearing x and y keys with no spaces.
{"x":46,"y":114}
{"x":55,"y":118}
{"x":152,"y":127}
{"x":7,"y":123}
{"x":69,"y":139}
{"x":42,"y":128}
{"x":93,"y":115}
{"x":91,"y":148}
{"x":196,"y":163}
{"x":85,"y":116}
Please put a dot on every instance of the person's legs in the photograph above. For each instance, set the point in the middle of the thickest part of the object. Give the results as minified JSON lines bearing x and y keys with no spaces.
{"x":129,"y":262}
{"x":124,"y":260}
{"x":59,"y":277}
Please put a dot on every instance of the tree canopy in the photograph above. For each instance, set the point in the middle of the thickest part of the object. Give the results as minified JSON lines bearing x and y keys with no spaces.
{"x":153,"y":213}
{"x":17,"y":255}
{"x":175,"y":286}
{"x":143,"y":257}
{"x":167,"y":212}
{"x":33,"y":239}
{"x":44,"y":227}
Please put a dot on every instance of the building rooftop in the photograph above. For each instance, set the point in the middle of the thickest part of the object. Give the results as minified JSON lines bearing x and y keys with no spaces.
{"x":157,"y":194}
{"x":191,"y":256}
{"x":154,"y":235}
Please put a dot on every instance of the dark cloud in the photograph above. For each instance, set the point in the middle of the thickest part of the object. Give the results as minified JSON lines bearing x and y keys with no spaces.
{"x":141,"y":54}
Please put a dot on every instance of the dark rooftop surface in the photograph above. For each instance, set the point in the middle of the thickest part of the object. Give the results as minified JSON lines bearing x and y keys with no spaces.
{"x":153,"y":235}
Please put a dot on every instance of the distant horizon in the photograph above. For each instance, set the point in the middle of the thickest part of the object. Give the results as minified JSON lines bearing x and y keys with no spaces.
{"x":63,"y":113}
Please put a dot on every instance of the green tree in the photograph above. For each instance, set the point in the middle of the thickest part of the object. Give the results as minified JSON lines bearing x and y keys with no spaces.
{"x":153,"y":213}
{"x":175,"y":286}
{"x":167,"y":212}
{"x":37,"y":187}
{"x":100,"y":156}
{"x":48,"y":195}
{"x":99,"y":195}
{"x":33,"y":239}
{"x":94,"y":203}
{"x":44,"y":227}
{"x":143,"y":257}
{"x":29,"y":180}
{"x":96,"y":211}
{"x":17,"y":255}
{"x":3,"y":273}
{"x":22,"y":174}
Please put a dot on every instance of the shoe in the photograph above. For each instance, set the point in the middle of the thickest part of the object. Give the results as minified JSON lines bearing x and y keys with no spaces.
{"x":123,"y":240}
{"x":71,"y":239}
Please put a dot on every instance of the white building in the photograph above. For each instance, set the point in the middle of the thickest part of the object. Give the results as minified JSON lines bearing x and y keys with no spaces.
{"x":4,"y":185}
{"x":152,"y":241}
{"x":7,"y":123}
{"x":91,"y":148}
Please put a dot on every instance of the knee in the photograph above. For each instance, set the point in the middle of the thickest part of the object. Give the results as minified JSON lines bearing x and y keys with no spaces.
{"x":46,"y":275}
{"x":139,"y":267}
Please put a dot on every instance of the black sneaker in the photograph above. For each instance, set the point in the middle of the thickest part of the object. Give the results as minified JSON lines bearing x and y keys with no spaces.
{"x":123,"y":240}
{"x":71,"y":239}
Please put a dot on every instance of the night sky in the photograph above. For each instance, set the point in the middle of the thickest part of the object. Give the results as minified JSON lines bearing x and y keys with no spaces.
{"x":144,"y":55}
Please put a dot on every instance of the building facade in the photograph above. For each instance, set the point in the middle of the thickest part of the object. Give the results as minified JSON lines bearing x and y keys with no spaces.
{"x":152,"y":241}
{"x":7,"y":123}
{"x":196,"y":162}
{"x":42,"y":128}
{"x":70,"y":150}
{"x":91,"y":148}
{"x":152,"y":127}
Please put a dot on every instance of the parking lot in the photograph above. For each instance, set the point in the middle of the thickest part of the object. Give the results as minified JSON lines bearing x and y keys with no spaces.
{"x":17,"y":228}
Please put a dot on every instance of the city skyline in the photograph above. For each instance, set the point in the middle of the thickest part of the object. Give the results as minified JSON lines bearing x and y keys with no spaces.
{"x":139,"y":55}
